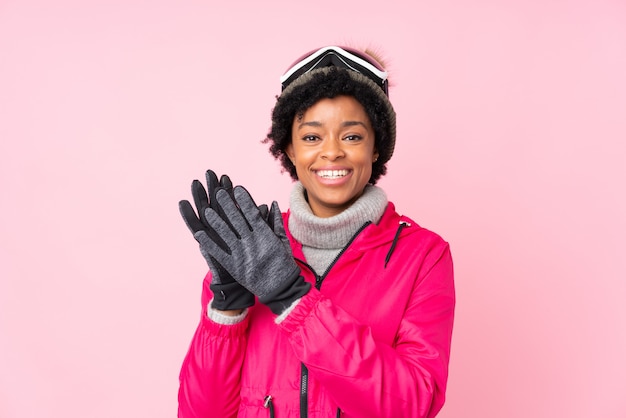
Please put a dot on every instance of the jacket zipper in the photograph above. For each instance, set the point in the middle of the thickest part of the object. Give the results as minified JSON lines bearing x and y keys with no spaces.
{"x":304,"y":373}
{"x":267,"y":403}
{"x":304,"y":382}
{"x":319,"y":279}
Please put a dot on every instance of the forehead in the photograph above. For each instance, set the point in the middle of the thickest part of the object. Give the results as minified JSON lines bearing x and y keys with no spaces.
{"x":338,"y":108}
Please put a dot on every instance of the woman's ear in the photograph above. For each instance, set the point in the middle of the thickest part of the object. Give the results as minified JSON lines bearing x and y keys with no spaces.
{"x":375,"y":156}
{"x":290,"y":153}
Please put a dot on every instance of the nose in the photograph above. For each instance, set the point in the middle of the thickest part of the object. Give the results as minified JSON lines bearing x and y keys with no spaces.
{"x":332,"y":149}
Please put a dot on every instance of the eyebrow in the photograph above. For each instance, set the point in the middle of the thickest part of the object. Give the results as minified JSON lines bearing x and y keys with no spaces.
{"x":345,"y":124}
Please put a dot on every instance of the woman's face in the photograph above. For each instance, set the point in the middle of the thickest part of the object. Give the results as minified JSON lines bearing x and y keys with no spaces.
{"x":332,"y":148}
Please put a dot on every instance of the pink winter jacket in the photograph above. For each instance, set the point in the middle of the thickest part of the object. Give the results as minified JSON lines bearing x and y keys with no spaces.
{"x":372,"y":339}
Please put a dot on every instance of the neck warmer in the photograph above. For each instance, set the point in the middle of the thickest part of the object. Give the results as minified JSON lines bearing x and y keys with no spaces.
{"x":323,"y":238}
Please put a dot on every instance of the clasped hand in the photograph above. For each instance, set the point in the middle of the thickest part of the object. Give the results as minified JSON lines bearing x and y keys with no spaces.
{"x":235,"y":237}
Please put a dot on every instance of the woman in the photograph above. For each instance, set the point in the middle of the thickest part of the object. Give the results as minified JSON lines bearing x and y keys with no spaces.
{"x":339,"y":307}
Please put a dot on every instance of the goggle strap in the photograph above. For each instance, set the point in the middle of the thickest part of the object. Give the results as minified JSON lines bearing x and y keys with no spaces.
{"x":340,"y":53}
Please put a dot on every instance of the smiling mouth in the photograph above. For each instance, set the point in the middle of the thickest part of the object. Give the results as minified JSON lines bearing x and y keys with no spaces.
{"x":332,"y":174}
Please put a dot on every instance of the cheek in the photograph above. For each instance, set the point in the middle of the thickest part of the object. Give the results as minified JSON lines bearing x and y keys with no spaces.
{"x":366,"y":157}
{"x":302,"y":155}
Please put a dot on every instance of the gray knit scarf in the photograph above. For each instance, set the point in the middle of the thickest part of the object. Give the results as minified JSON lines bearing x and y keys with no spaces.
{"x":323,"y":238}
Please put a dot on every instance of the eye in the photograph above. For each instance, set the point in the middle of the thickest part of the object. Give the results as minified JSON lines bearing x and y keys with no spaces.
{"x":310,"y":138}
{"x":353,"y":138}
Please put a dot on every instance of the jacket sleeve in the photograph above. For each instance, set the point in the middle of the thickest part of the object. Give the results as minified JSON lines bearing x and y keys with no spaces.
{"x":210,"y":378}
{"x":367,"y":378}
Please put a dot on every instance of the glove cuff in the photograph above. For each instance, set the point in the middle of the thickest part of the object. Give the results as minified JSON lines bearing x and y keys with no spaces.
{"x":283,"y":297}
{"x":230,"y":296}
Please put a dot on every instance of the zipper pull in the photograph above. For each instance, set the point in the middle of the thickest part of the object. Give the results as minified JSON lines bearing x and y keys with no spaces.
{"x":267,"y":403}
{"x":401,"y":226}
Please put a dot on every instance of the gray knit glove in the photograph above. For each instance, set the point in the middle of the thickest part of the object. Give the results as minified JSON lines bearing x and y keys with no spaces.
{"x":251,"y":251}
{"x":228,"y":294}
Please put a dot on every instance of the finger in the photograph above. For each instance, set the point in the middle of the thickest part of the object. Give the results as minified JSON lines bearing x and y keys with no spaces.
{"x":278,"y":226}
{"x":277,"y":223}
{"x":226,"y":184}
{"x":219,"y":232}
{"x":271,"y":217}
{"x":209,"y":248}
{"x":247,"y":206}
{"x":195,"y":225}
{"x":220,"y":211}
{"x":230,"y":212}
{"x":189,"y":216}
{"x":211,"y":179}
{"x":264,"y":212}
{"x":200,"y":197}
{"x":212,"y":184}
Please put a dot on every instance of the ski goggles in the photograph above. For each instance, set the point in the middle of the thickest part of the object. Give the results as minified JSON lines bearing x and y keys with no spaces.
{"x":338,"y":57}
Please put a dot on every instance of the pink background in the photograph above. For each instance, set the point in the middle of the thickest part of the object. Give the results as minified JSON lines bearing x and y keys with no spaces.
{"x":512,"y":132}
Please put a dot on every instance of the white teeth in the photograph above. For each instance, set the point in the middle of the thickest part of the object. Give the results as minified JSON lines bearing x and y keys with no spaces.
{"x":332,"y":174}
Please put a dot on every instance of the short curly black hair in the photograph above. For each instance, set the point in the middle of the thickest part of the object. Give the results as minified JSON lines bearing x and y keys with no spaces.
{"x":331,"y":82}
